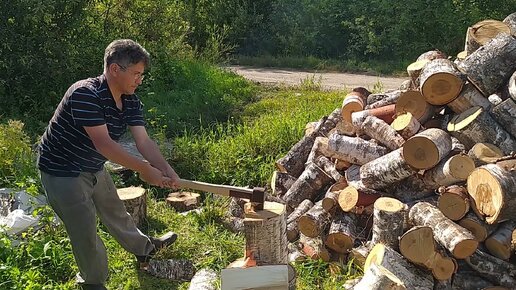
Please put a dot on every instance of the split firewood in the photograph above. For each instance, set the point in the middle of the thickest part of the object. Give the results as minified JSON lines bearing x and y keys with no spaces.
{"x":505,"y":114}
{"x":204,"y":279}
{"x":477,"y":227}
{"x":441,"y":82}
{"x":493,"y":269}
{"x":295,"y":254}
{"x":307,"y":186}
{"x":264,"y":231}
{"x":385,"y":170}
{"x":382,"y":132}
{"x":388,"y":221}
{"x":135,"y":202}
{"x":183,"y":201}
{"x":490,"y":66}
{"x":379,"y":278}
{"x":351,"y":197}
{"x":413,"y":101}
{"x":315,"y":221}
{"x":456,"y":239}
{"x":469,"y":280}
{"x":469,"y":97}
{"x":354,"y":150}
{"x":329,"y":167}
{"x":176,"y":270}
{"x":331,"y":198}
{"x":492,"y":188}
{"x":484,"y":153}
{"x":386,"y":113}
{"x":382,"y":99}
{"x":414,"y":70}
{"x":453,"y":202}
{"x":314,"y":248}
{"x":450,"y":171}
{"x":482,"y":32}
{"x":342,"y":233}
{"x":412,"y":277}
{"x":292,"y":220}
{"x":406,"y":125}
{"x":427,"y":148}
{"x":355,"y":101}
{"x":500,"y":242}
{"x":281,"y":183}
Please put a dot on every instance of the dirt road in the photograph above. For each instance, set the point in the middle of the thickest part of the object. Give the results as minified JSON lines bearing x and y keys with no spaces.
{"x":329,"y":81}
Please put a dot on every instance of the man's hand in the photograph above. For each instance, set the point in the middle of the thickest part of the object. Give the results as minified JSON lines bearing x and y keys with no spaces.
{"x":154,"y":176}
{"x":173,"y":181}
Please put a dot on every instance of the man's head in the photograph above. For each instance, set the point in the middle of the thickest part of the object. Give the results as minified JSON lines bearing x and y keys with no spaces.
{"x":124,"y":63}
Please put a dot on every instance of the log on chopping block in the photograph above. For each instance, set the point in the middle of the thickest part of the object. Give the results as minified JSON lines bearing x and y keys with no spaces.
{"x":441,"y":82}
{"x":505,"y":114}
{"x":427,"y":148}
{"x":354,"y":101}
{"x":469,"y":97}
{"x":183,"y":201}
{"x":205,"y":279}
{"x":406,"y":125}
{"x":388,"y":221}
{"x":453,"y":201}
{"x":500,"y":242}
{"x":176,"y":270}
{"x":292,"y":219}
{"x":460,"y":242}
{"x":482,"y":32}
{"x":331,"y":198}
{"x":414,"y":70}
{"x":386,"y":113}
{"x":307,"y":186}
{"x":493,"y":269}
{"x":493,"y":190}
{"x":385,"y":170}
{"x":271,"y":277}
{"x":418,"y":246}
{"x":351,"y":197}
{"x":484,"y":153}
{"x":477,"y":227}
{"x":450,"y":171}
{"x":412,"y":277}
{"x":329,"y":167}
{"x":382,"y":132}
{"x":315,"y":221}
{"x":413,"y":101}
{"x":490,"y":66}
{"x":281,"y":183}
{"x":379,"y":278}
{"x":342,"y":233}
{"x":382,"y":99}
{"x":314,"y":248}
{"x":135,"y":202}
{"x":354,"y":150}
{"x":469,"y":280}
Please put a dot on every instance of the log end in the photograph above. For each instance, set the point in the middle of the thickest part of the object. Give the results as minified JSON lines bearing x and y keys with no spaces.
{"x":441,"y":88}
{"x":498,"y":249}
{"x":486,"y":192}
{"x":308,"y":227}
{"x":476,"y":229}
{"x":418,"y":245}
{"x":443,"y":268}
{"x":453,"y":206}
{"x":339,"y":243}
{"x":412,"y":101}
{"x":465,"y":248}
{"x":420,"y":152}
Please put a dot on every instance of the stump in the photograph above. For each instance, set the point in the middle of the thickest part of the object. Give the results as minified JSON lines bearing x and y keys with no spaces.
{"x":490,"y":66}
{"x":315,"y":221}
{"x":331,"y":198}
{"x":482,"y":32}
{"x":414,"y":102}
{"x":493,"y":269}
{"x":456,"y":239}
{"x":342,"y":233}
{"x":475,"y":125}
{"x":450,"y":171}
{"x":382,"y":132}
{"x":427,"y":148}
{"x":354,"y":150}
{"x":505,"y":114}
{"x":176,"y":270}
{"x":265,"y":238}
{"x":388,"y":221}
{"x":382,"y":99}
{"x":204,"y":279}
{"x":441,"y":82}
{"x":292,"y":220}
{"x":183,"y":201}
{"x":385,"y":170}
{"x":453,"y":202}
{"x":384,"y":113}
{"x":314,"y":248}
{"x":379,"y":278}
{"x":281,"y":183}
{"x":307,"y":186}
{"x":406,"y":125}
{"x":484,"y":153}
{"x":500,"y":242}
{"x":352,"y":197}
{"x":469,"y":97}
{"x":477,"y":227}
{"x":492,"y":188}
{"x":135,"y":201}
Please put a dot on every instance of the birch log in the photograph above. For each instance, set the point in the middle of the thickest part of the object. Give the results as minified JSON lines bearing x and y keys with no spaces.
{"x":292,"y":219}
{"x":477,"y":227}
{"x":382,"y":99}
{"x":406,"y":125}
{"x":379,"y":278}
{"x":505,"y":114}
{"x":499,"y":243}
{"x":450,"y":171}
{"x":382,"y":132}
{"x":354,"y":149}
{"x":413,"y":101}
{"x":385,"y":170}
{"x":453,"y":202}
{"x":493,"y":269}
{"x":176,"y":270}
{"x":441,"y":82}
{"x":484,"y":153}
{"x":427,"y":148}
{"x":315,"y":221}
{"x":307,"y":186}
{"x":386,"y":113}
{"x":388,"y":220}
{"x":314,"y":248}
{"x":281,"y":183}
{"x":352,"y":197}
{"x":204,"y":279}
{"x":469,"y":97}
{"x":510,"y":20}
{"x":342,"y":232}
{"x":331,"y":198}
{"x":354,"y":101}
{"x":414,"y":70}
{"x":482,"y":32}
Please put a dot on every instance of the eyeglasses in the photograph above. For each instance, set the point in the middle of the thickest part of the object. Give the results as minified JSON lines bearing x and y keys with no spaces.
{"x":137,"y":75}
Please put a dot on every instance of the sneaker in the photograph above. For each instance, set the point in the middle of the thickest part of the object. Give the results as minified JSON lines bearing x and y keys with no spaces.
{"x":159,"y":243}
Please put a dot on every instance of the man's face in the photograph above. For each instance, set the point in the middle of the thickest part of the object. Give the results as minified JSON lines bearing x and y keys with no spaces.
{"x":131,"y":77}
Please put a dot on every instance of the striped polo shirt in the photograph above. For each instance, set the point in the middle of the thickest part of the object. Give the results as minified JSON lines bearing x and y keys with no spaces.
{"x":65,"y":148}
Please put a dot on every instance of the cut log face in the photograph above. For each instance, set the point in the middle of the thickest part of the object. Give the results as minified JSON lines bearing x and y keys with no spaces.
{"x":454,"y":202}
{"x":353,"y":149}
{"x":183,"y":201}
{"x":379,"y":278}
{"x":427,"y":148}
{"x":456,"y":239}
{"x":388,"y":221}
{"x":352,"y":197}
{"x":469,"y":97}
{"x":342,"y":233}
{"x":450,"y":171}
{"x":315,"y":221}
{"x":492,"y":187}
{"x":384,"y":171}
{"x":505,"y":114}
{"x":493,"y":269}
{"x":490,"y":66}
{"x":406,"y":125}
{"x":382,"y":132}
{"x":307,"y":186}
{"x":477,"y":227}
{"x":441,"y":82}
{"x":353,"y":102}
{"x":482,"y":32}
{"x":135,"y":202}
{"x":331,"y":198}
{"x":484,"y":153}
{"x":414,"y":102}
{"x":499,"y":243}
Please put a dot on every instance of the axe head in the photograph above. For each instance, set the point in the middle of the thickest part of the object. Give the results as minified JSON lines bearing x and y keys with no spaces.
{"x":258,"y":197}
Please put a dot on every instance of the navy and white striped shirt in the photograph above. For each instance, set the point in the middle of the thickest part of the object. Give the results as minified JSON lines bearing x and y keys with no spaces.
{"x":66,"y":149}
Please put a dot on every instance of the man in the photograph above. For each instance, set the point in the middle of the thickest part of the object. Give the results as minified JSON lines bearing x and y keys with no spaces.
{"x":80,"y":137}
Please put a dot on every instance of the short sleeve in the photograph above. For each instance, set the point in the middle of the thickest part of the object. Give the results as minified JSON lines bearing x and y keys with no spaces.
{"x":134,"y":111}
{"x":86,"y":109}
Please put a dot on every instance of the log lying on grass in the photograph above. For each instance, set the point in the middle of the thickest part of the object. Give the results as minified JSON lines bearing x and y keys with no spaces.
{"x":385,"y":170}
{"x":500,"y":242}
{"x":450,"y":171}
{"x":292,"y":219}
{"x":354,"y":150}
{"x":379,"y":278}
{"x":388,"y":221}
{"x":307,"y":185}
{"x":176,"y":270}
{"x":477,"y":227}
{"x":406,"y":125}
{"x":342,"y":233}
{"x":484,"y":153}
{"x":493,"y":269}
{"x":456,"y":239}
{"x":204,"y":279}
{"x":382,"y":132}
{"x":441,"y":82}
{"x":135,"y":202}
{"x":427,"y":148}
{"x":453,"y":202}
{"x":482,"y":32}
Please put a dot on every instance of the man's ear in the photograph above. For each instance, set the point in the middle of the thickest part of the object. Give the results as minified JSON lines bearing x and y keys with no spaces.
{"x":114,"y":69}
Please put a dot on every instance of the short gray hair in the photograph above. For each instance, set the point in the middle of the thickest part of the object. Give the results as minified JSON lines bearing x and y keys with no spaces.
{"x":125,"y":52}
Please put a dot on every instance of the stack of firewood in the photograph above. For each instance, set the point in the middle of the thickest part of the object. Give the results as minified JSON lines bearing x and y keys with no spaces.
{"x":416,"y":185}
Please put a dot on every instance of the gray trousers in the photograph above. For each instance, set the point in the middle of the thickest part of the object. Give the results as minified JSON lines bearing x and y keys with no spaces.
{"x":77,"y":200}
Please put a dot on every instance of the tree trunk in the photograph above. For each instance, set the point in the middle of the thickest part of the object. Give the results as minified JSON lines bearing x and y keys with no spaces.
{"x":412,"y":277}
{"x":342,"y":233}
{"x":382,"y":99}
{"x":264,"y":231}
{"x":493,"y":269}
{"x":484,"y":153}
{"x":281,"y":183}
{"x":499,"y":243}
{"x":441,"y":82}
{"x":183,"y":201}
{"x":352,"y":197}
{"x":490,"y":66}
{"x":406,"y":125}
{"x":292,"y":220}
{"x":354,"y":149}
{"x":315,"y":221}
{"x":204,"y":279}
{"x":314,"y":248}
{"x":469,"y":97}
{"x":386,"y":113}
{"x":453,"y":202}
{"x":456,"y":239}
{"x":382,"y":132}
{"x":450,"y":171}
{"x":427,"y":148}
{"x":135,"y":201}
{"x":385,"y":170}
{"x":493,"y":189}
{"x":413,"y":101}
{"x":477,"y":227}
{"x":482,"y":32}
{"x":307,"y":186}
{"x":505,"y":114}
{"x":379,"y":278}
{"x":331,"y":199}
{"x":176,"y":270}
{"x":388,"y":221}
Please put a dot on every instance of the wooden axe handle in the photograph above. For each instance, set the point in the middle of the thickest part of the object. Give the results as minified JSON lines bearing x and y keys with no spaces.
{"x":214,"y":188}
